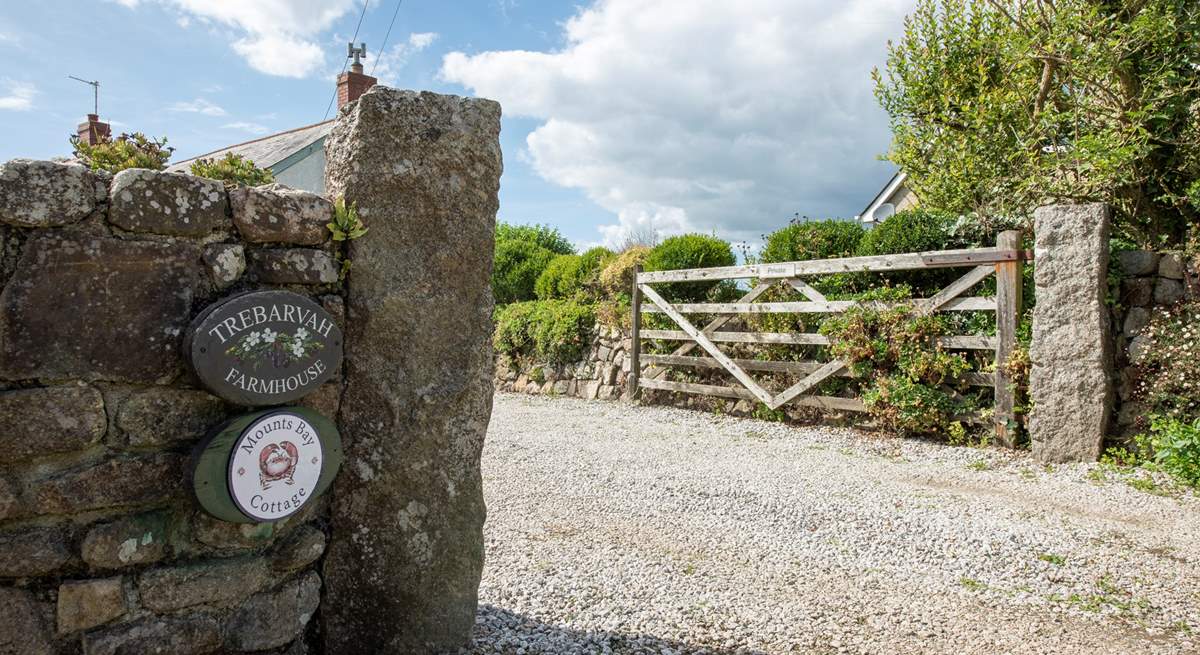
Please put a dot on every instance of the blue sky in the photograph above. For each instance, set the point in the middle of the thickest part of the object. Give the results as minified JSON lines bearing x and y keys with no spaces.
{"x":620,"y":115}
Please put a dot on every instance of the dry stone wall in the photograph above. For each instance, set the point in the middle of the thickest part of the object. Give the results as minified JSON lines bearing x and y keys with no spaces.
{"x":102,"y":547}
{"x":602,"y":374}
{"x":1149,"y":282}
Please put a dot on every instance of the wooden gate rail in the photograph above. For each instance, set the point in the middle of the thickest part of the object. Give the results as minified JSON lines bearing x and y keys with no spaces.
{"x":1004,"y":261}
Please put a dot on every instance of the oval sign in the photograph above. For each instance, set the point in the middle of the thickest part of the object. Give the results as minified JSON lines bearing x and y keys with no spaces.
{"x":264,"y":347}
{"x":266,"y":466}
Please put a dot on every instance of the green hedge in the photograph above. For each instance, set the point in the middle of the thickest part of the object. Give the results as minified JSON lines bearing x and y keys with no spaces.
{"x":688,"y":251}
{"x":555,"y":331}
{"x":913,"y":230}
{"x":542,"y":235}
{"x":516,"y":270}
{"x":813,"y":240}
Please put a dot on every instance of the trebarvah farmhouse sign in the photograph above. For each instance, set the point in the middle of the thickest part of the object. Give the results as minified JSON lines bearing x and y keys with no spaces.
{"x":266,"y":465}
{"x":264,"y":347}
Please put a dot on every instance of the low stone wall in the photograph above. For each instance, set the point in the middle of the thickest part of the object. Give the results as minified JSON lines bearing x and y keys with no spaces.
{"x":1149,"y":281}
{"x":102,"y":547}
{"x":601,"y":374}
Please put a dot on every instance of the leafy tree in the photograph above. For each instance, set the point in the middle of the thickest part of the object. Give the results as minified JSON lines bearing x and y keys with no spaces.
{"x":998,"y":106}
{"x":126,"y":151}
{"x":543,"y":235}
{"x":232,"y":169}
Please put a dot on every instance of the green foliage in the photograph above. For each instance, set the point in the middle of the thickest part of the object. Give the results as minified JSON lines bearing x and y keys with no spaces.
{"x":232,"y":169}
{"x":517,"y":266}
{"x":555,"y":331}
{"x":1168,"y":371}
{"x":617,"y":276}
{"x":1176,"y":448}
{"x":800,"y":241}
{"x":688,"y":251}
{"x":543,"y":235}
{"x":552,"y":281}
{"x":126,"y":151}
{"x":998,"y":107}
{"x":896,"y":352}
{"x":583,"y":279}
{"x":913,"y":230}
{"x":346,"y":225}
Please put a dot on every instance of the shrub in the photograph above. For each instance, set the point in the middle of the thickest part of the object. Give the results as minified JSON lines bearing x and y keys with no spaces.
{"x":617,"y":277}
{"x":913,"y":230}
{"x":812,"y":240}
{"x":126,"y":151}
{"x":551,"y":280}
{"x":1176,"y":448}
{"x":688,"y":251}
{"x":1168,"y":369}
{"x":908,"y":407}
{"x":516,"y":270}
{"x":555,"y":331}
{"x":543,"y":235}
{"x":232,"y":169}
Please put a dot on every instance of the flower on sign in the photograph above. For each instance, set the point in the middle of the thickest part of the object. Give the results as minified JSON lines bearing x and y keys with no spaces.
{"x":302,"y":334}
{"x":252,"y":339}
{"x":269,"y":335}
{"x":298,"y":348}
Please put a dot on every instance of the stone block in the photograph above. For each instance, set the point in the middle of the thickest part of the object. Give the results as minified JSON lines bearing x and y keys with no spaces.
{"x":326,"y":400}
{"x":37,"y":422}
{"x":116,"y":482}
{"x":603,"y":353}
{"x":294,"y":266}
{"x":225,"y":263}
{"x":224,"y":535}
{"x":1138,"y":348}
{"x":46,"y":194}
{"x":277,"y":214}
{"x":85,"y":604}
{"x":33,"y":552}
{"x":10,"y":499}
{"x":591,"y":390}
{"x":607,"y":392}
{"x":22,"y":627}
{"x":217,"y":582}
{"x":274,"y":618}
{"x":161,"y":416}
{"x":194,"y":634}
{"x":97,"y":308}
{"x":129,"y":541}
{"x":301,"y":548}
{"x":1071,"y":381}
{"x":1170,"y":266}
{"x":173,"y":204}
{"x":336,"y":306}
{"x":405,"y":556}
{"x":1168,"y":291}
{"x":1137,"y":292}
{"x":1136,"y":320}
{"x":1138,"y":262}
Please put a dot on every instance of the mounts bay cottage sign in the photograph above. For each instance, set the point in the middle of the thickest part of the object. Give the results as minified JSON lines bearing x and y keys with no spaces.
{"x":264,"y":348}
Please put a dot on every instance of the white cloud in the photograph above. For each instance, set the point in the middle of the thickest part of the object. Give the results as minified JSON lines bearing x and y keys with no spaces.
{"x":277,"y":37}
{"x":396,"y":58}
{"x":703,"y":114}
{"x":16,"y":95}
{"x":249,"y":128}
{"x":198,"y":106}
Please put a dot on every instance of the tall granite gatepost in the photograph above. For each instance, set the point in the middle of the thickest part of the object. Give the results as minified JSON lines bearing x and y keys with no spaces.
{"x":406,"y":552}
{"x":1071,"y":379}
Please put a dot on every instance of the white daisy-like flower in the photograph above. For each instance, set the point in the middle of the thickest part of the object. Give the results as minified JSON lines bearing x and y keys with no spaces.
{"x":268,"y":335}
{"x":297,"y":349}
{"x":302,"y":333}
{"x":252,"y":339}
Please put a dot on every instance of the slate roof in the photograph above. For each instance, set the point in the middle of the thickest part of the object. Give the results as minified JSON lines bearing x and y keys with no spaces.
{"x":268,"y":151}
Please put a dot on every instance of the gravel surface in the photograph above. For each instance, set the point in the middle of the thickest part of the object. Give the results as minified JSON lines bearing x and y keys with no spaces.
{"x":621,"y":529}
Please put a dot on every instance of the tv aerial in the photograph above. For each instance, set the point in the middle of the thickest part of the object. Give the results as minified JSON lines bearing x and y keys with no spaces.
{"x":95,"y":84}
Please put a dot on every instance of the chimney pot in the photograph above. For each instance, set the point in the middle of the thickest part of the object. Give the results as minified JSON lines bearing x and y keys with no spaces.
{"x":94,"y":131}
{"x":352,"y":84}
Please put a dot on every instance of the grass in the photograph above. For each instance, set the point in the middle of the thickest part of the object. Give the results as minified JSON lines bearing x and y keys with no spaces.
{"x":972,"y":584}
{"x":979,"y":465}
{"x":1057,"y":560}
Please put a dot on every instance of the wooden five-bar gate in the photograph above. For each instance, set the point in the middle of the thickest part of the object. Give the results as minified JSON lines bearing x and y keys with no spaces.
{"x":1005,"y":261}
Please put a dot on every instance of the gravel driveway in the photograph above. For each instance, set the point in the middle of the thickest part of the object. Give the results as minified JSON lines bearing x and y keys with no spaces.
{"x":621,"y":529}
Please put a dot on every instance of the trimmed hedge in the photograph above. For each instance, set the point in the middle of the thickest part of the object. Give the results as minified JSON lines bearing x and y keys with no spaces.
{"x":516,"y":270}
{"x":688,"y":251}
{"x":813,"y":240}
{"x":543,"y":235}
{"x":552,"y":280}
{"x":913,"y":230}
{"x":554,"y":331}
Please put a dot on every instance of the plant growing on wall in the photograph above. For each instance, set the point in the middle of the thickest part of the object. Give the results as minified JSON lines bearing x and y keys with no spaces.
{"x":126,"y":151}
{"x":346,"y":225}
{"x":232,"y":169}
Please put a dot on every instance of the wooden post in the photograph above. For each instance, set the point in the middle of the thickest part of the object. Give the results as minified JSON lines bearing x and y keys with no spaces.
{"x":635,"y":339}
{"x":1008,"y":314}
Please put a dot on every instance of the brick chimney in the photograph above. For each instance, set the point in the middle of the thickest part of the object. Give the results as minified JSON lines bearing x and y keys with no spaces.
{"x":93,"y":131}
{"x":353,"y":84}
